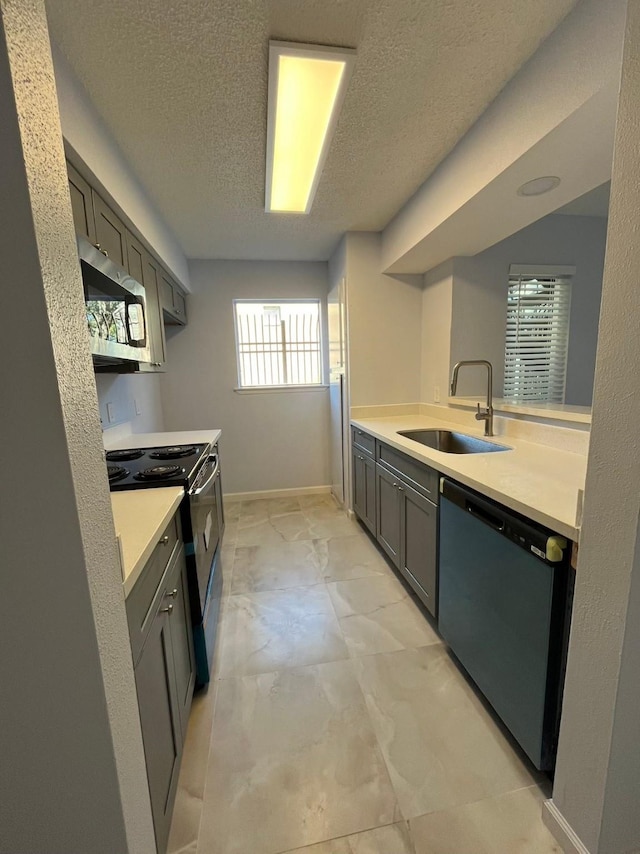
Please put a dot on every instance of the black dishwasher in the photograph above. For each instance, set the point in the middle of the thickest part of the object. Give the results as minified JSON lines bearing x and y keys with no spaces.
{"x":504,"y":609}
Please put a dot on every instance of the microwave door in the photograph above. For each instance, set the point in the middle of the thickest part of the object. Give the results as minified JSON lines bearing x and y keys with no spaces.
{"x":135,"y":321}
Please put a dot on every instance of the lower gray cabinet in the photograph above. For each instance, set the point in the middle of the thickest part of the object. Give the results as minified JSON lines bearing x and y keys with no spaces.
{"x":364,"y":489}
{"x":160,"y":721}
{"x":388,"y":513}
{"x":419,"y":544}
{"x":164,"y":671}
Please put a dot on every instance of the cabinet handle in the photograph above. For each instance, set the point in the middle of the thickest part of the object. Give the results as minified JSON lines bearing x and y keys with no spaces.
{"x":167,"y":610}
{"x":171,"y":595}
{"x":164,"y":540}
{"x":360,"y":458}
{"x":178,"y":311}
{"x":157,"y":364}
{"x":401,"y":489}
{"x":395,"y":485}
{"x":100,"y":249}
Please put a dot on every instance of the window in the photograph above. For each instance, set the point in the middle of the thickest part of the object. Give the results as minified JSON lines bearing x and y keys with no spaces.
{"x":278,"y":343}
{"x":538,"y":306}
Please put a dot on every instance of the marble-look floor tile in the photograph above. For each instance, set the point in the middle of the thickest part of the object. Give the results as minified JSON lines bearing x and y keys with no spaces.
{"x":292,"y":526}
{"x":283,"y":628}
{"x":442,"y":747}
{"x":378,"y":615}
{"x":187,"y":811}
{"x":391,"y":839}
{"x":343,"y":558}
{"x":294,"y":761}
{"x":257,"y":533}
{"x":508,"y":824}
{"x":259,"y":509}
{"x":231,"y":509}
{"x":326,"y":523}
{"x":323,"y":499}
{"x":365,"y":595}
{"x":259,"y":568}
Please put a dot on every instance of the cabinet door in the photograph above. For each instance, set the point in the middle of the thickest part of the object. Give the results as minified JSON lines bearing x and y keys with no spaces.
{"x":110,"y":232}
{"x":180,"y":304}
{"x":150,"y":280}
{"x":166,"y":292}
{"x":359,"y":485}
{"x":388,"y":513}
{"x":160,"y":721}
{"x":181,"y":639}
{"x":419,"y":545}
{"x":370,"y":491}
{"x":81,"y":204}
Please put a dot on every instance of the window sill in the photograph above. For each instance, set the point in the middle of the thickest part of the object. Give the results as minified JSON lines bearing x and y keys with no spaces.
{"x":275,"y":389}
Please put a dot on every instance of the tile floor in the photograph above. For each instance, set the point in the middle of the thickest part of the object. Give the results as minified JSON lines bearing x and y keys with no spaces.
{"x":336,"y":722}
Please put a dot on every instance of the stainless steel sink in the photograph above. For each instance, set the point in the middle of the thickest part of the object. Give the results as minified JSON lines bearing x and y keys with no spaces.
{"x":450,"y":442}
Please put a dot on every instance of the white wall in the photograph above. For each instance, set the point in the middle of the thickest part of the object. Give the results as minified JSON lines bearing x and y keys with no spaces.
{"x":384,"y":315}
{"x":480,"y":298}
{"x":271,"y":440}
{"x":437,"y":305}
{"x":130,"y":394}
{"x":597,"y":783}
{"x":73,"y":774}
{"x":90,"y":140}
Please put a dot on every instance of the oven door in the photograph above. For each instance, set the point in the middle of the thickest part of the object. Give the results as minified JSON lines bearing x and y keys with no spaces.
{"x":203,"y":505}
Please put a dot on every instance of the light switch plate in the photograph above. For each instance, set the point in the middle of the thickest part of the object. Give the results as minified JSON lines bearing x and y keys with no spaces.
{"x":136,"y":404}
{"x":436,"y":394}
{"x":111,"y":415}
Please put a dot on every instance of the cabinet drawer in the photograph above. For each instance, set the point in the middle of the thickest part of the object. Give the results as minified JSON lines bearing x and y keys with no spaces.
{"x":418,"y":475}
{"x":364,"y":441}
{"x":143,"y":598}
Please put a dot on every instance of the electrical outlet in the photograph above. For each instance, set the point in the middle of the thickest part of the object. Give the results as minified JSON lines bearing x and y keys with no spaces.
{"x":436,"y":394}
{"x":111,"y":413}
{"x":136,"y":404}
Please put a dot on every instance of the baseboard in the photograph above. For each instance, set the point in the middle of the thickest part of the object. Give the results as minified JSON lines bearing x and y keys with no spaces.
{"x":561,"y":830}
{"x":277,"y":493}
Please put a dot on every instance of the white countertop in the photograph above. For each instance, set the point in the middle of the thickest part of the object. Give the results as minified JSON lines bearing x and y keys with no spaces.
{"x":140,"y":517}
{"x":152,"y":440}
{"x":538,"y":481}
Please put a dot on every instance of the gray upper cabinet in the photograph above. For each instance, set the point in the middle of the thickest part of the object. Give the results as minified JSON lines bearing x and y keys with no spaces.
{"x":144,"y":269}
{"x":388,"y":515}
{"x":419,"y":545}
{"x":110,"y":232}
{"x":172,"y":298}
{"x":81,"y":205}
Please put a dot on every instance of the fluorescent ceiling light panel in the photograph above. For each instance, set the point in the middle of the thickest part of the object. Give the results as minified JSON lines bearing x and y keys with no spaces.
{"x":307,"y":84}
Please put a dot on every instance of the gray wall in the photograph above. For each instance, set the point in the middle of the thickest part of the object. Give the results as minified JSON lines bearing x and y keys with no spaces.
{"x":126,"y":392}
{"x":384,"y":317}
{"x":597,"y":782}
{"x":480,"y":298}
{"x":73,"y":775}
{"x":271,"y":440}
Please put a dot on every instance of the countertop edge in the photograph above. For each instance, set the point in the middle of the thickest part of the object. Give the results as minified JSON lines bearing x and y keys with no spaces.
{"x":161,"y":523}
{"x":560,"y":526}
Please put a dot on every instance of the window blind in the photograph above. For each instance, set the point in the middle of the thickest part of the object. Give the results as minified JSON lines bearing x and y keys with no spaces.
{"x":278,"y":343}
{"x":537,"y":338}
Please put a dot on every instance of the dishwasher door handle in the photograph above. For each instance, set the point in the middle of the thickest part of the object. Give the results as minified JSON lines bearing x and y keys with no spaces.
{"x":485,"y":516}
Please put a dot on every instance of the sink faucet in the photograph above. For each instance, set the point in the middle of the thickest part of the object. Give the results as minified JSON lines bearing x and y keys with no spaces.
{"x":486,"y":414}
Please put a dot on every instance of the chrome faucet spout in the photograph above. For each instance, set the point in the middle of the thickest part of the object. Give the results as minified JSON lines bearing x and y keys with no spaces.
{"x":486,"y":414}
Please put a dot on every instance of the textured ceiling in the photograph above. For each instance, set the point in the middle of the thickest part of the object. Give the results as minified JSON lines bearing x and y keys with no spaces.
{"x":182,"y":86}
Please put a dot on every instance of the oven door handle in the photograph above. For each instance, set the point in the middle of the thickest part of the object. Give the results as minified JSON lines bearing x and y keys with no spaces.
{"x":198,"y":490}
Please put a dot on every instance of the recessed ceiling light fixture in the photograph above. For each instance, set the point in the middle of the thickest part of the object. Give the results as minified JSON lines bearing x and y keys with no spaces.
{"x":307,"y":84}
{"x":539,"y":186}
